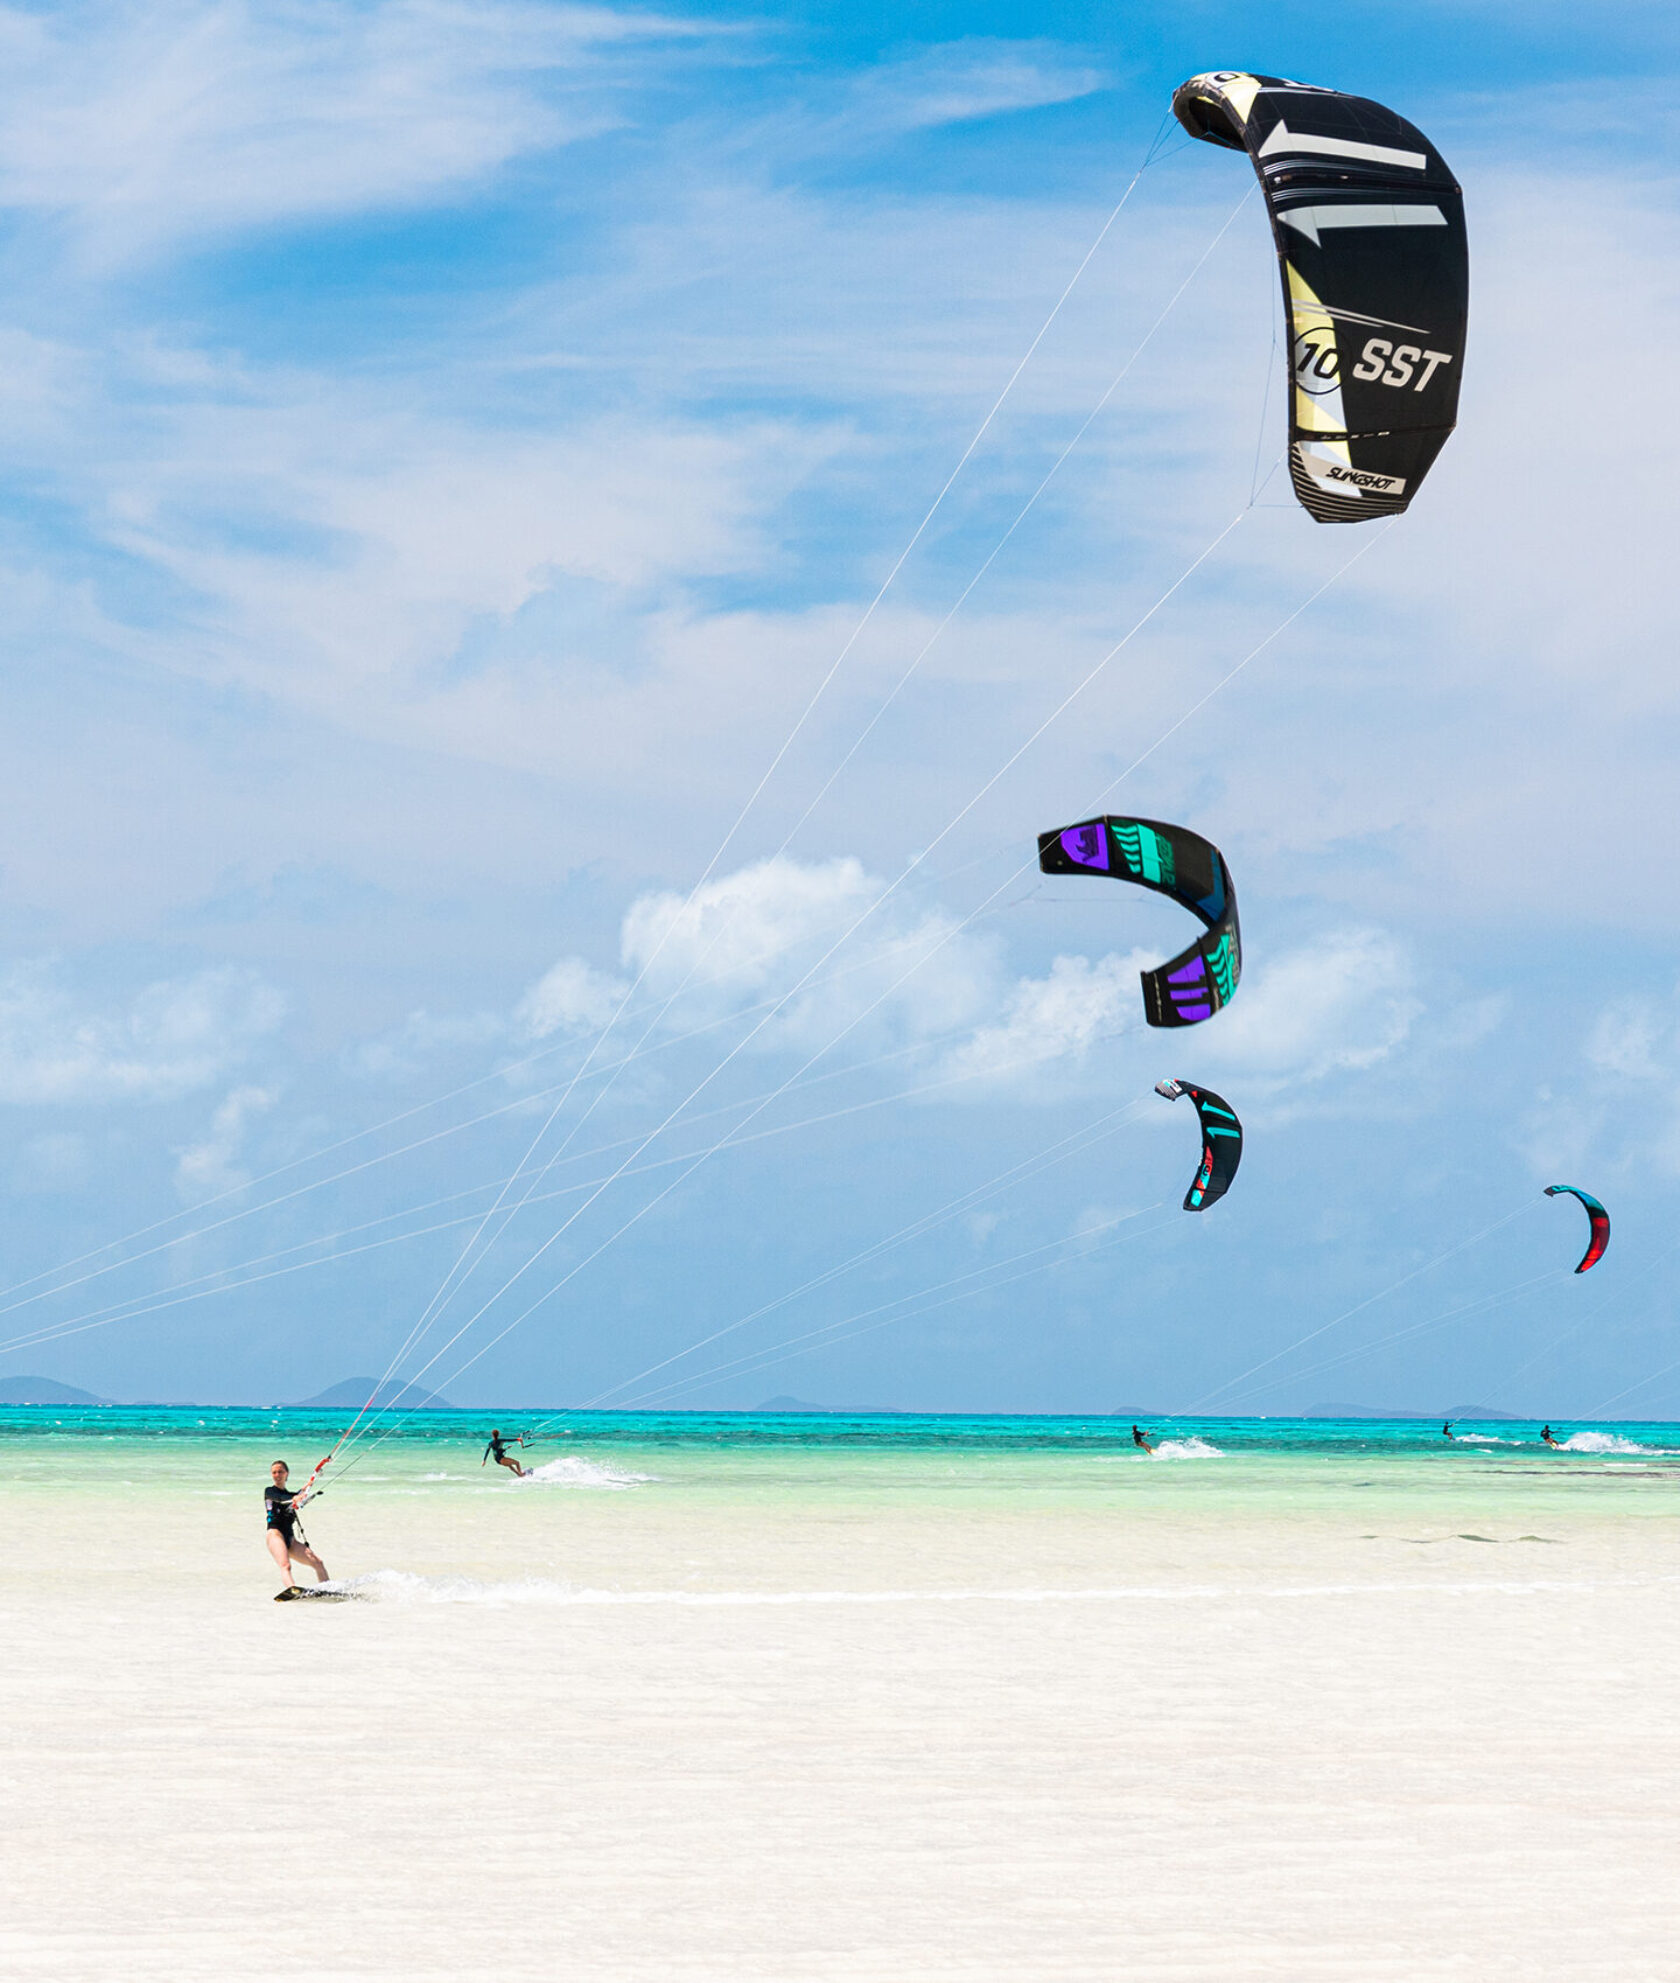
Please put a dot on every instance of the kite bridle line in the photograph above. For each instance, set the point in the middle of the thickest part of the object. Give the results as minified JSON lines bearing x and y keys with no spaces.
{"x":1061,"y":1151}
{"x":917,"y":1226}
{"x":886,"y":895}
{"x":1150,"y":157}
{"x":1097,"y":805}
{"x":519,"y":1103}
{"x":1071,"y":1247}
{"x":973,"y":916}
{"x":216,"y":1281}
{"x":1020,"y":517}
{"x":1474,"y":1304}
{"x":434,"y":1306}
{"x":141,"y":1305}
{"x":1650,"y":1377}
{"x":1348,"y":1314}
{"x":596,"y":1190}
{"x":1075,"y":1144}
{"x":726,"y":922}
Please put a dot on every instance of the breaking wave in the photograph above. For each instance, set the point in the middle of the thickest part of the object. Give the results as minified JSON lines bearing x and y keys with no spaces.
{"x":1188,"y":1449}
{"x":1605,"y":1442}
{"x":572,"y":1470}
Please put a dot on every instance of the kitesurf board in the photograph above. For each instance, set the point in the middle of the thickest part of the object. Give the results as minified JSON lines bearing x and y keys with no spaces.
{"x":312,"y":1590}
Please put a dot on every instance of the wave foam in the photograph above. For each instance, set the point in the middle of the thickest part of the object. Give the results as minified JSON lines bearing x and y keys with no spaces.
{"x":1188,"y":1449}
{"x":572,"y":1470}
{"x":402,"y":1586}
{"x":1605,"y":1442}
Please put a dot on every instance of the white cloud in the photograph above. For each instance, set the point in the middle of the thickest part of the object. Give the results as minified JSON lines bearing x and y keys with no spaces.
{"x":208,"y":1167}
{"x":197,"y":116}
{"x":1629,"y":1109}
{"x":573,"y":997}
{"x":1340,"y":1004}
{"x":381,"y":539}
{"x":962,"y":80}
{"x":1632,"y":1038}
{"x":739,"y":931}
{"x":175,"y":1036}
{"x":1056,"y":1018}
{"x":421,"y":1037}
{"x":757,"y":934}
{"x":884,"y":974}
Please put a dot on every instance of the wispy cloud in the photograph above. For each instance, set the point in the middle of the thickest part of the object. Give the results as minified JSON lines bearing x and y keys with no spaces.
{"x":959,"y":81}
{"x":1055,"y":1019}
{"x":138,"y":124}
{"x":59,"y":1045}
{"x":210,"y":1166}
{"x":1336,"y":1006}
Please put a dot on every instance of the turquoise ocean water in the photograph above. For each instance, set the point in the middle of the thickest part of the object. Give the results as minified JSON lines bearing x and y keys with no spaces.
{"x":94,"y":1449}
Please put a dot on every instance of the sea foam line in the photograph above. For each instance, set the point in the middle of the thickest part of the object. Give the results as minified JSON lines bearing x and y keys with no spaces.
{"x":406,"y":1587}
{"x":573,"y":1470}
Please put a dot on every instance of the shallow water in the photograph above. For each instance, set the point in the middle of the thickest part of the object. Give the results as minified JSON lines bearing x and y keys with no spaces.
{"x":725,"y":1697}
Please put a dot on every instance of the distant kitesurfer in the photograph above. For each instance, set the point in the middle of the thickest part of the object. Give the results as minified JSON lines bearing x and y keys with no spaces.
{"x":1141,"y":1439}
{"x":1547,"y":1434}
{"x":1446,"y":1430}
{"x":498,"y":1447}
{"x":287,"y":1543}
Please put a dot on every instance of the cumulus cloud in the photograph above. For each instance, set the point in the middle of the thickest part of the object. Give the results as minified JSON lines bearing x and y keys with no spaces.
{"x":210,"y":1166}
{"x":1339,"y":1004}
{"x":573,"y":997}
{"x":180,"y":1034}
{"x":850,"y":963}
{"x":766,"y":932}
{"x":1056,"y":1018}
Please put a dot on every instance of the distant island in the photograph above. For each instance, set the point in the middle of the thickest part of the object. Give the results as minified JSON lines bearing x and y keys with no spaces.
{"x":1467,"y":1412}
{"x":355,"y":1392}
{"x":351,"y":1395}
{"x":44,"y":1391}
{"x":784,"y":1403}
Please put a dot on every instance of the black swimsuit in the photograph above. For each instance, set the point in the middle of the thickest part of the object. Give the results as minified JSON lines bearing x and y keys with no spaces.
{"x":281,"y":1514}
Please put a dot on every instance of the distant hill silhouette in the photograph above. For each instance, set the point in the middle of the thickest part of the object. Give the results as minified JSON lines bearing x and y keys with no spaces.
{"x":352,"y":1394}
{"x":44,"y":1391}
{"x":784,"y":1403}
{"x":1468,"y":1412}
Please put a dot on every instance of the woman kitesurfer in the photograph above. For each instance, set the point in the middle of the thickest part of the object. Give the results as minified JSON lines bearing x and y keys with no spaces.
{"x":1549,"y":1436}
{"x":498,"y":1447}
{"x":1141,"y":1439}
{"x":287,"y":1543}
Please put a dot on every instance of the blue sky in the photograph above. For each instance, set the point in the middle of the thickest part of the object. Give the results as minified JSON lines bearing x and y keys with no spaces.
{"x":445,"y":447}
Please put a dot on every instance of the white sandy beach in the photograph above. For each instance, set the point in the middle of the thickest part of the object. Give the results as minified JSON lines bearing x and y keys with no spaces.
{"x":705,"y":1732}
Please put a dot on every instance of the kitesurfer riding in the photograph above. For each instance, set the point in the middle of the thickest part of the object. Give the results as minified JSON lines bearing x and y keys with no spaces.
{"x":1446,"y":1430}
{"x":287,"y":1543}
{"x":1550,"y":1438}
{"x":1141,"y":1439}
{"x":497,"y":1448}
